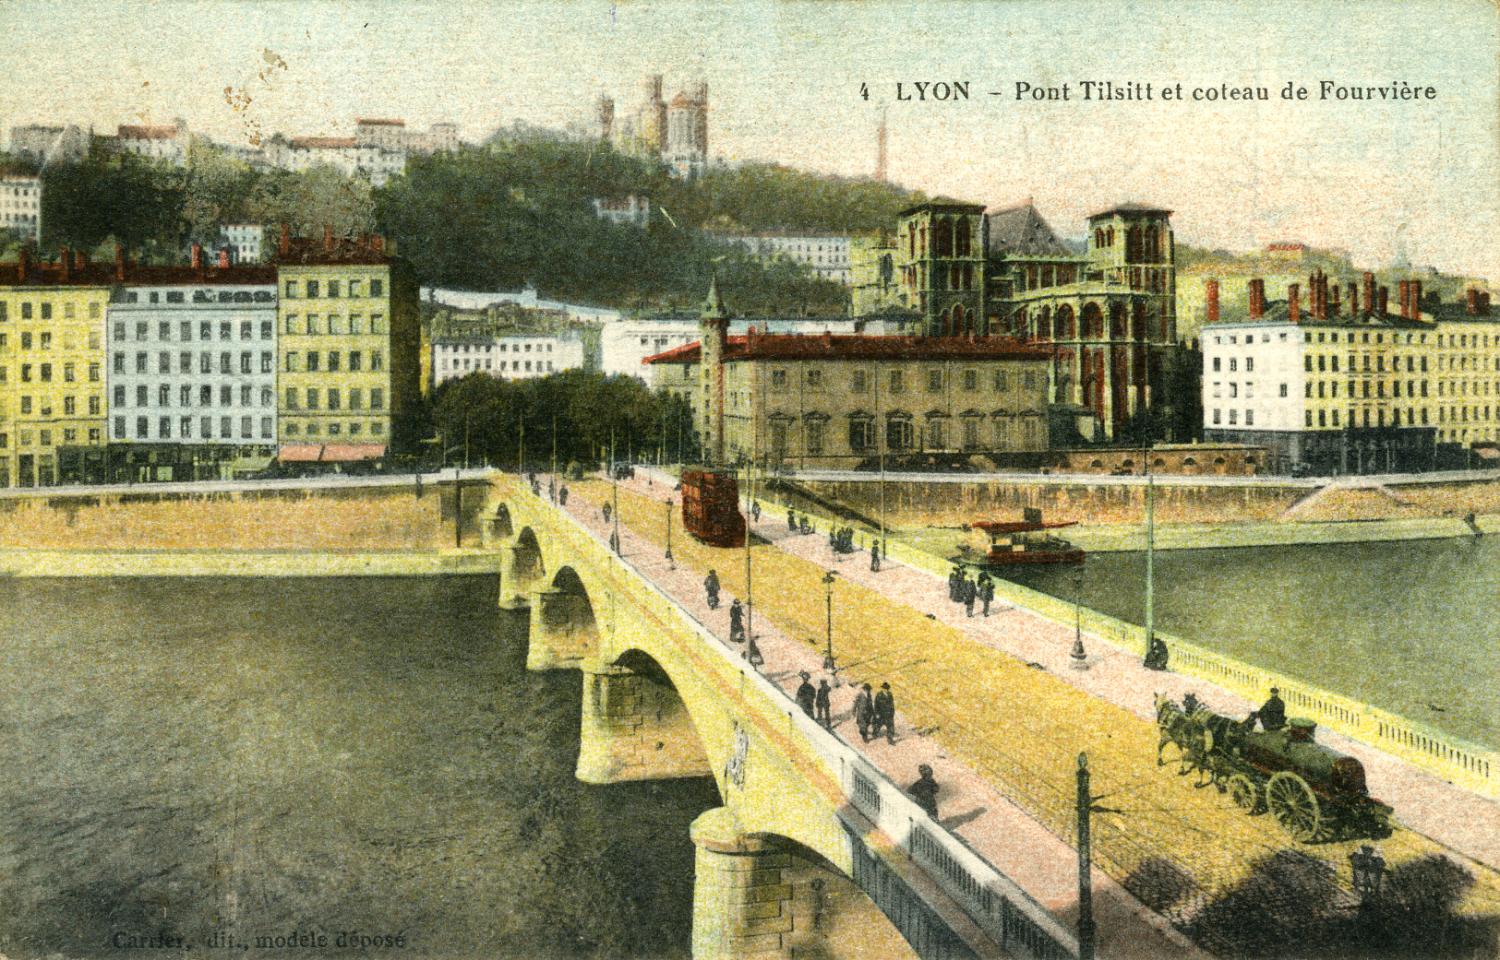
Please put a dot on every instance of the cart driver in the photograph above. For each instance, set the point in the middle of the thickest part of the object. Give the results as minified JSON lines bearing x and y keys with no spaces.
{"x":1272,"y":713}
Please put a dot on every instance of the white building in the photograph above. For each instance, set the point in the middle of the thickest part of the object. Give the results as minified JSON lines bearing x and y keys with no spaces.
{"x":626,"y":343}
{"x":345,"y":154}
{"x":244,"y":241}
{"x":527,"y":298}
{"x":192,"y":359}
{"x":168,"y":143}
{"x":21,"y":206}
{"x":46,"y":144}
{"x":826,"y":255}
{"x":630,"y":210}
{"x":508,"y":357}
{"x":393,"y":135}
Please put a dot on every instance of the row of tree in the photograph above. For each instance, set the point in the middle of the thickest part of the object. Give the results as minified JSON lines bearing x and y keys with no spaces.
{"x":572,"y":416}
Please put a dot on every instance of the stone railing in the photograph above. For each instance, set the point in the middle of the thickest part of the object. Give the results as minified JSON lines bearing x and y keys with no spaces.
{"x":1456,"y":761}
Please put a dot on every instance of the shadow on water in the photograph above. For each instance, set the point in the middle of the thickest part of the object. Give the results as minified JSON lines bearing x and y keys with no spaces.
{"x":1290,"y":906}
{"x":263,"y":757}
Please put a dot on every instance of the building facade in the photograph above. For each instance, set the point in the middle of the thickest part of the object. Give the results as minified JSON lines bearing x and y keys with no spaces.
{"x":1334,"y":384}
{"x":245,"y":242}
{"x":42,"y":144}
{"x":21,"y":206}
{"x":845,"y":400}
{"x":631,"y":210}
{"x":52,"y":399}
{"x":506,"y":357}
{"x":348,"y":341}
{"x":825,"y":255}
{"x":167,"y":143}
{"x":192,"y":365}
{"x":675,"y":133}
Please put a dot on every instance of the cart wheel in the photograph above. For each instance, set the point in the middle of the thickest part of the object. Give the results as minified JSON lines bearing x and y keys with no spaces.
{"x":1294,"y":805}
{"x":1245,"y":794}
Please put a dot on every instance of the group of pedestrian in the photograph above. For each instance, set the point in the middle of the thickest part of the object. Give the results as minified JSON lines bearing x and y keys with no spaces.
{"x":875,"y":713}
{"x":816,"y":702}
{"x":841,"y":540}
{"x":796,"y":523}
{"x":962,"y":589}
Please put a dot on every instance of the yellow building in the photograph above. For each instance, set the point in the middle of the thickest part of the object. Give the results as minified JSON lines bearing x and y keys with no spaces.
{"x":348,"y":347}
{"x":838,"y":400}
{"x":52,"y":402}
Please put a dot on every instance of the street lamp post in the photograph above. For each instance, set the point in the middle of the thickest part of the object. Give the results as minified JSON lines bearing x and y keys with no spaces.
{"x":1085,"y":880}
{"x":614,"y":480}
{"x":670,"y":563}
{"x":1078,"y":657}
{"x":829,"y":663}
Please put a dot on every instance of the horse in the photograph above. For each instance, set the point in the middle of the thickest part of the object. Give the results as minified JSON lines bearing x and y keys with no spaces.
{"x":1188,"y":730}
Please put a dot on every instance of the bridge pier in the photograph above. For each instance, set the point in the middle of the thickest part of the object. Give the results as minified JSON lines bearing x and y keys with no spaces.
{"x":562,"y":630}
{"x":759,"y":896}
{"x":635,"y":727}
{"x":521,"y":572}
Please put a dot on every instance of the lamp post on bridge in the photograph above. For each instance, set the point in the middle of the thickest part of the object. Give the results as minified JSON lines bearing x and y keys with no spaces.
{"x":1085,"y":880}
{"x":829,"y":663}
{"x":671,"y":564}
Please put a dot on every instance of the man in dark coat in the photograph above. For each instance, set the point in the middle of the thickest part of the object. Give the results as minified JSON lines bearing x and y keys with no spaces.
{"x":885,"y":713}
{"x":1272,"y":713}
{"x":971,"y":593}
{"x":755,"y":510}
{"x":806,"y":695}
{"x":925,"y":791}
{"x":874,"y":557}
{"x":711,"y":589}
{"x":864,"y":712}
{"x":986,"y":591}
{"x":562,"y":495}
{"x":736,"y":622}
{"x":791,"y":520}
{"x":822,"y":708}
{"x":954,"y":576}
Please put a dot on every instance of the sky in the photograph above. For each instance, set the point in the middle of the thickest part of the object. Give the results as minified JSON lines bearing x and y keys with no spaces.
{"x":1413,"y":178}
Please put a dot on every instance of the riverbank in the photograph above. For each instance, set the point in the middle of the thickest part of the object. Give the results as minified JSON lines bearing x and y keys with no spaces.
{"x":1211,"y":536}
{"x":244,"y":563}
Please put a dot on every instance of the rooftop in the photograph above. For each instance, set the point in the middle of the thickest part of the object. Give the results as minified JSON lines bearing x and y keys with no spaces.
{"x":943,"y":204}
{"x":856,"y":347}
{"x":1131,"y":208}
{"x":146,"y":133}
{"x":1021,"y":231}
{"x":323,"y":143}
{"x":379,"y":122}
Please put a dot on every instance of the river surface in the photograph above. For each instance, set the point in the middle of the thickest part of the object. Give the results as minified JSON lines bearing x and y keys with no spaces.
{"x":246,"y":758}
{"x":1413,"y":627}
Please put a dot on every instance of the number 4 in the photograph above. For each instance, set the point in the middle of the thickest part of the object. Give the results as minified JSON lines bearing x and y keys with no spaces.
{"x":864,"y":90}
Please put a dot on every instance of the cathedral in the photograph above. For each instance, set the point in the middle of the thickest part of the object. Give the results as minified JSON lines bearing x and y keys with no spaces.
{"x":674,"y":132}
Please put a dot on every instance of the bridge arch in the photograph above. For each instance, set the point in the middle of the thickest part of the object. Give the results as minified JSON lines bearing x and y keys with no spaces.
{"x":523,"y":570}
{"x":500,"y":524}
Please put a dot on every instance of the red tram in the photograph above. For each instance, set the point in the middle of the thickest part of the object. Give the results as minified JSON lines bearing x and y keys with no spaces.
{"x":711,"y":507}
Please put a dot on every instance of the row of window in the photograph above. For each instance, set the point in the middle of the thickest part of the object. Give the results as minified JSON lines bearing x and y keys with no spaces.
{"x":860,"y":380}
{"x":43,"y":405}
{"x":313,"y":324}
{"x":333,"y":399}
{"x":524,"y":347}
{"x":902,"y":434}
{"x":30,"y":311}
{"x":185,"y":330}
{"x":43,"y":340}
{"x":247,"y":362}
{"x":43,"y":372}
{"x":202,"y":296}
{"x":374,"y":428}
{"x":333,"y":289}
{"x":184,"y":428}
{"x":542,"y":366}
{"x":332,"y":362}
{"x":186,"y":392}
{"x":69,"y":435}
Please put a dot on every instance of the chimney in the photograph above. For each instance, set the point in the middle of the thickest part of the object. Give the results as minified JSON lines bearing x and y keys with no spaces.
{"x":80,"y":261}
{"x":284,"y":245}
{"x":1484,"y":303}
{"x":1293,"y":303}
{"x":1382,"y":300}
{"x":223,"y":258}
{"x":1416,"y":299}
{"x":1403,"y":291}
{"x":119,"y":263}
{"x":1351,"y":290}
{"x":65,"y":263}
{"x":197,"y":258}
{"x":1211,"y":291}
{"x":327,"y":236}
{"x":23,"y":264}
{"x":1369,"y":279}
{"x":1471,"y":301}
{"x":1257,"y":298}
{"x":1332,"y":306}
{"x":1322,"y":313}
{"x":377,"y":243}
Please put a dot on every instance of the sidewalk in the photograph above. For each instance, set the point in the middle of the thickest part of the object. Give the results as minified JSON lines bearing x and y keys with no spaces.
{"x":969,"y":806}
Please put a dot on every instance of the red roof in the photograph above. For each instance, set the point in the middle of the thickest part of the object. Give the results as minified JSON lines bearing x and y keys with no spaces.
{"x":378,"y":122}
{"x":299,"y":452}
{"x":329,"y":453}
{"x":857,"y":347}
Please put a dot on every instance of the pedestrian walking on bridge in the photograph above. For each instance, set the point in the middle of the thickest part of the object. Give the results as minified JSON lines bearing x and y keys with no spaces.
{"x":606,"y":513}
{"x":986,"y":591}
{"x":925,"y":790}
{"x":711,"y":589}
{"x":822,"y":708}
{"x":885,"y":713}
{"x":736,"y":622}
{"x":874,"y":557}
{"x":755,"y":510}
{"x":806,"y":695}
{"x":562,"y":495}
{"x":864,"y":712}
{"x":791,"y":520}
{"x":970,"y":594}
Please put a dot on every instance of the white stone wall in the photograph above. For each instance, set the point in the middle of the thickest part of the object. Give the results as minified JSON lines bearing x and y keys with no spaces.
{"x":1253,"y":377}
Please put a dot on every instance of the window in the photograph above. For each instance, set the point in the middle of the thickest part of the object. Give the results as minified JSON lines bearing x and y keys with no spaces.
{"x":265,"y":428}
{"x":291,"y":289}
{"x":205,"y":396}
{"x":971,"y":380}
{"x":25,"y":404}
{"x":68,"y":376}
{"x":1249,"y":418}
{"x":245,"y":362}
{"x":185,"y":396}
{"x":164,"y":428}
{"x":291,"y":398}
{"x":206,"y":428}
{"x":354,"y":360}
{"x":356,"y":397}
{"x":312,"y":288}
{"x":1216,"y":364}
{"x":935,"y":380}
{"x":246,"y":430}
{"x":814,"y":378}
{"x":142,"y":428}
{"x":163,"y":396}
{"x":267,"y":362}
{"x":858,"y":381}
{"x":376,"y":360}
{"x":119,"y":428}
{"x":333,"y":360}
{"x":312,"y":398}
{"x":119,"y":400}
{"x":1002,"y":382}
{"x":377,"y":321}
{"x":164,"y":362}
{"x":333,"y":398}
{"x":226,"y":395}
{"x":898,"y":433}
{"x":778,"y":379}
{"x":861,"y":434}
{"x":1216,"y":416}
{"x":333,"y":288}
{"x":226,"y":330}
{"x":185,"y":427}
{"x":141,"y":396}
{"x":335,"y":323}
{"x":896,"y":382}
{"x":314,"y":325}
{"x":377,"y":398}
{"x":140,"y":363}
{"x":312,"y":361}
{"x":377,"y":288}
{"x":245,"y":391}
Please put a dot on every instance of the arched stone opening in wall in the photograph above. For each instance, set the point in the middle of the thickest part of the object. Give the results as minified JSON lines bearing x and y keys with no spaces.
{"x":500,"y":525}
{"x":636,"y":726}
{"x":1117,"y":321}
{"x":1062,"y":323}
{"x":1044,"y":325}
{"x":757,"y":893}
{"x":564,"y":630}
{"x":1093,"y":321}
{"x":1138,"y":321}
{"x":522,"y":570}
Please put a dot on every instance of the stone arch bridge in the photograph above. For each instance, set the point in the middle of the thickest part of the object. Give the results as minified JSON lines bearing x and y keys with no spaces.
{"x":813,"y":852}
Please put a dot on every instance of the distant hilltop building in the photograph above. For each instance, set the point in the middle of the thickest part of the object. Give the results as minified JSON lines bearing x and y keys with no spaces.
{"x":826,"y":255}
{"x":45,"y":144}
{"x":166,"y":142}
{"x":674,"y":132}
{"x":21,"y":206}
{"x":629,"y":210}
{"x":1287,"y":250}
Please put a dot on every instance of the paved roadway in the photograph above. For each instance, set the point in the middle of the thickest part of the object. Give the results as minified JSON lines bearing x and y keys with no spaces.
{"x":993,"y":706}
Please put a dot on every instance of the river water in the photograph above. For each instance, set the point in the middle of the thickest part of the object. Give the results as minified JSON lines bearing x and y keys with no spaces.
{"x":295,"y":758}
{"x":1413,"y":627}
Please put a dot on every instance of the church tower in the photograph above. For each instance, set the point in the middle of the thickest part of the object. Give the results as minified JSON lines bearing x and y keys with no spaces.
{"x":940,"y":250}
